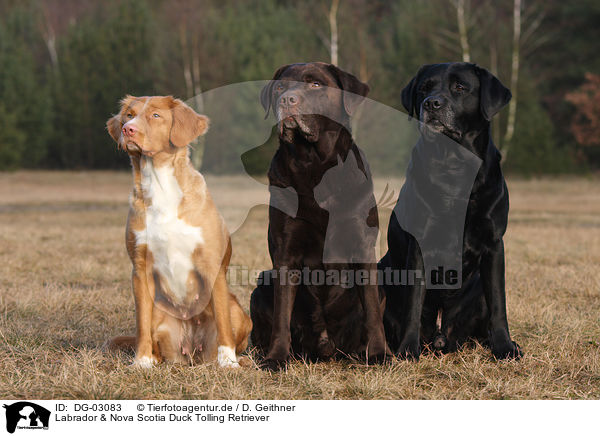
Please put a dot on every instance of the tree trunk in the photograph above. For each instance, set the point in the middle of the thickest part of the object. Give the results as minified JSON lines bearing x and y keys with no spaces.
{"x":49,"y":37}
{"x":187,"y":73}
{"x":198,"y":145}
{"x":514,"y":79}
{"x":334,"y":31}
{"x":494,"y":70}
{"x":462,"y":30}
{"x":193,"y":90}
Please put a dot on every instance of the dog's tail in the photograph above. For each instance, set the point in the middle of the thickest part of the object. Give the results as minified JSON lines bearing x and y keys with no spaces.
{"x":126,"y":343}
{"x":386,"y":200}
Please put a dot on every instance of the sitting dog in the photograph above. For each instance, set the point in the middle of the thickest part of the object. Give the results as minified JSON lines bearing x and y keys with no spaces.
{"x":176,"y":240}
{"x":457,"y":100}
{"x":321,"y":195}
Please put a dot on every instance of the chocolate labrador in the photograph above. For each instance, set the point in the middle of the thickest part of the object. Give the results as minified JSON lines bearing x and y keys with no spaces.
{"x":319,"y":301}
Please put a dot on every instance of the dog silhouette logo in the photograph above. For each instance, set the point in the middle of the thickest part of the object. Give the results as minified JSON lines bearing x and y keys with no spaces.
{"x":346,"y":193}
{"x":26,"y":415}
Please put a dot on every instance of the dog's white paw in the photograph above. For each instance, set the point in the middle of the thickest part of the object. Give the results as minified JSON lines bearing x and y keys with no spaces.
{"x":144,"y":362}
{"x":226,"y":357}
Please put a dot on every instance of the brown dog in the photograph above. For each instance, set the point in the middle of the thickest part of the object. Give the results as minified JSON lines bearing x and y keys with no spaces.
{"x":332,"y":231}
{"x":176,"y":240}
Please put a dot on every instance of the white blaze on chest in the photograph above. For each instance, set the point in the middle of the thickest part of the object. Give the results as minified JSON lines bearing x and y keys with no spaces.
{"x":170,"y":240}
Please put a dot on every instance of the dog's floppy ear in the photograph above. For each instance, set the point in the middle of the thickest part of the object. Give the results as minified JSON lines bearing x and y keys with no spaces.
{"x":409,"y":97}
{"x":355,"y":90}
{"x":187,"y":124}
{"x":266,"y":94}
{"x":409,"y":94}
{"x":493,"y":95}
{"x":113,"y":125}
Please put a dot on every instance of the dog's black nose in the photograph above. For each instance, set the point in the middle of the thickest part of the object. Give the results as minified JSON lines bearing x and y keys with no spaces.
{"x":288,"y":100}
{"x":433,"y":103}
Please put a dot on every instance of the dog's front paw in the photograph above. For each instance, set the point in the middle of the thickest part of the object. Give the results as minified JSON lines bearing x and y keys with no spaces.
{"x":275,"y":360}
{"x":502,"y":346}
{"x":409,"y":348}
{"x":226,"y":357}
{"x":145,"y":362}
{"x":507,"y":350}
{"x":273,"y":364}
{"x":377,"y":350}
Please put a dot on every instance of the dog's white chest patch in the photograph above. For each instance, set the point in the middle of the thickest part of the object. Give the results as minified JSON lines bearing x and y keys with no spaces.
{"x":170,"y":240}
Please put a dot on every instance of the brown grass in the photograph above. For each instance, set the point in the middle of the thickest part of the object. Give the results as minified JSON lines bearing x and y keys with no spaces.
{"x":64,"y":289}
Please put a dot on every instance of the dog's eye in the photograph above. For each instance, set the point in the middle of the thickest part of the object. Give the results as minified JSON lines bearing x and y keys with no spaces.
{"x":129,"y":115}
{"x":279,"y":88}
{"x":315,"y":84}
{"x":425,"y":87}
{"x":155,"y":115}
{"x":458,"y":87}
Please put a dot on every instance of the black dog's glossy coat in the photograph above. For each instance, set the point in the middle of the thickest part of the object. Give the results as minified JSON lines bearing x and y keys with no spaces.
{"x":314,"y":321}
{"x":457,"y":100}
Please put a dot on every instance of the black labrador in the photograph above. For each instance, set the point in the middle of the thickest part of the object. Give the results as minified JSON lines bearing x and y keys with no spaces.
{"x":457,"y":100}
{"x":322,"y":225}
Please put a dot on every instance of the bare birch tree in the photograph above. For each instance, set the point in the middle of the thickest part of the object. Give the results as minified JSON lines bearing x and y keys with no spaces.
{"x":462,"y":30}
{"x":333,"y":48}
{"x":448,"y":39}
{"x":54,"y":18}
{"x":514,"y":80}
{"x":49,"y":35}
{"x":525,"y":41}
{"x":189,"y":36}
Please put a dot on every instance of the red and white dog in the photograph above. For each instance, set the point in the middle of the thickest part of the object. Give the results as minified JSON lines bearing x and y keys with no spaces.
{"x":177,"y":241}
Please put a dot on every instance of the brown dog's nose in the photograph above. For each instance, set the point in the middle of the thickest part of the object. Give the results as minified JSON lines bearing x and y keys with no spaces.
{"x":288,"y":100}
{"x":433,"y":103}
{"x":129,"y":130}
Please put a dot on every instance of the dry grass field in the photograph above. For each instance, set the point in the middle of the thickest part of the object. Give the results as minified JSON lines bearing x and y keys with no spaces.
{"x":64,"y":290}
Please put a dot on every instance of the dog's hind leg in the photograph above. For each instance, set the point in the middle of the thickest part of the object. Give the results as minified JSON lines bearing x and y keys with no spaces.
{"x":261,"y":312}
{"x":370,"y":298}
{"x":325,"y":347}
{"x":241,"y":325}
{"x":466,"y":317}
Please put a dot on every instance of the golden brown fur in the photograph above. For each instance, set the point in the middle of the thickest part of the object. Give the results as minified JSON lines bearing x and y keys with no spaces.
{"x":155,"y":132}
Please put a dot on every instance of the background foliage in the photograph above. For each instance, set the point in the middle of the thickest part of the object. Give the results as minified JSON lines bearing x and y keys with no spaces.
{"x":64,"y":64}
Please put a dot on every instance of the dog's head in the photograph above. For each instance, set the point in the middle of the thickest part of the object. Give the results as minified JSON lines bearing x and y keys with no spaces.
{"x":303,"y":95}
{"x":455,"y":99}
{"x":151,"y":125}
